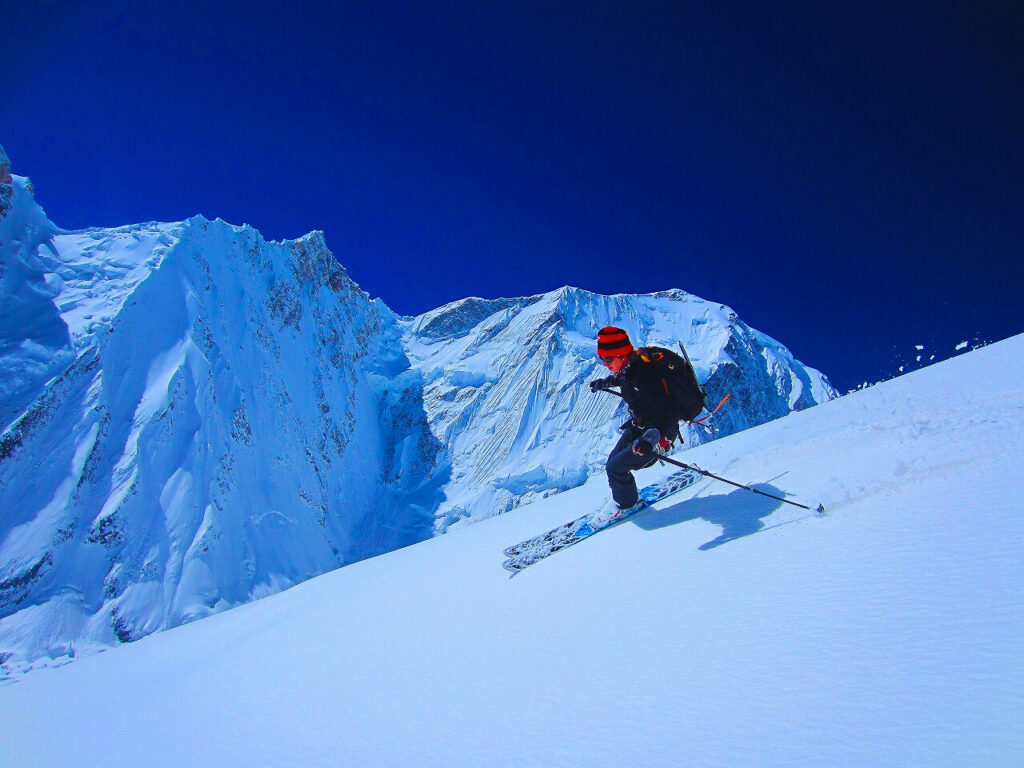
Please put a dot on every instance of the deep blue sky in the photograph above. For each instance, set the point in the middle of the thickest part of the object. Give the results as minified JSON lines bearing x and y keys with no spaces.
{"x":850,"y":180}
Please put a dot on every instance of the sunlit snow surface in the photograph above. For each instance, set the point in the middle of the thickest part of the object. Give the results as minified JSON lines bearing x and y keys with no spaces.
{"x":719,"y":629}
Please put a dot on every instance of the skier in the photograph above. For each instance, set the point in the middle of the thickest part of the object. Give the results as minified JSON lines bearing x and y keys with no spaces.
{"x":653,"y":423}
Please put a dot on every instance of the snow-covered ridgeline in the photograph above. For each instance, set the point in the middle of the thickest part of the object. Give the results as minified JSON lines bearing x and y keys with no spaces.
{"x":224,"y":424}
{"x":507,"y":395}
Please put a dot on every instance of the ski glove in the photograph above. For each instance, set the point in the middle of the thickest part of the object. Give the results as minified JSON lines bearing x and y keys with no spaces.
{"x":599,"y":384}
{"x":642,"y":448}
{"x":645,"y":445}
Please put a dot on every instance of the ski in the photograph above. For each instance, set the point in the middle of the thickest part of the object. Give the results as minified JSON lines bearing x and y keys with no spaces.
{"x":528,"y":552}
{"x":648,"y":495}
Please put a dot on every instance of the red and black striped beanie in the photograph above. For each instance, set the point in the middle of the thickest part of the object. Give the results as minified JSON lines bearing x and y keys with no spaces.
{"x":613,"y":342}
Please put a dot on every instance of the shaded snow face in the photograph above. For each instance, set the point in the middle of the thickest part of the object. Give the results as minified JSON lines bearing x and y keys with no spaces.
{"x":34,"y":339}
{"x":6,"y":184}
{"x":229,"y":417}
{"x":507,"y":392}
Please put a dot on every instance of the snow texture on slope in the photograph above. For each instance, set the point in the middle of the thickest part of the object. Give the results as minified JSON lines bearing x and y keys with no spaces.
{"x":720,"y":628}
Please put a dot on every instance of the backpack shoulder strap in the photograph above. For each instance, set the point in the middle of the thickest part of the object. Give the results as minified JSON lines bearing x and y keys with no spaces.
{"x":655,"y":354}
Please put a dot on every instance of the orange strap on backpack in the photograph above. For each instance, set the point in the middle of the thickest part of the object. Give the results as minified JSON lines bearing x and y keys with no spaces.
{"x":698,"y":421}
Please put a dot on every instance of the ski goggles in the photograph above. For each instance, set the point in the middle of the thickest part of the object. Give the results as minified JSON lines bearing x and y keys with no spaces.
{"x":606,"y":360}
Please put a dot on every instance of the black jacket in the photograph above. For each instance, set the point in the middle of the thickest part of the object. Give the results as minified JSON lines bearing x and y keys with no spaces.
{"x":643,"y":388}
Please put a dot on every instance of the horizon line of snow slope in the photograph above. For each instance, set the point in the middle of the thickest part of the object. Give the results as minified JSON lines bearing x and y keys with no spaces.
{"x":719,"y":628}
{"x":232,"y":411}
{"x":506,"y":386}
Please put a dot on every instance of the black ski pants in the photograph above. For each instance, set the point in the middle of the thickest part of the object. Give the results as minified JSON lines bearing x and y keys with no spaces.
{"x":621,"y":464}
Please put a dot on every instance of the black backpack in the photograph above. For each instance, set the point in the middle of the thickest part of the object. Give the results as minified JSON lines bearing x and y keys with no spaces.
{"x":678,"y":378}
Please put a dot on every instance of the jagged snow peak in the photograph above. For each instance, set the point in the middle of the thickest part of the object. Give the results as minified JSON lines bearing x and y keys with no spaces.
{"x":506,"y":386}
{"x":222,"y":424}
{"x":194,"y":417}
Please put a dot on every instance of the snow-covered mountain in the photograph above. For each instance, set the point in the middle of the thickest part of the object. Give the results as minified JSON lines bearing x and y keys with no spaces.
{"x":506,"y":386}
{"x":196,"y":418}
{"x":719,"y":628}
{"x":193,"y":417}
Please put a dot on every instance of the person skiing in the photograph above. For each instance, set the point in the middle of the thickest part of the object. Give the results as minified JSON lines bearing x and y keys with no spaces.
{"x":653,"y":423}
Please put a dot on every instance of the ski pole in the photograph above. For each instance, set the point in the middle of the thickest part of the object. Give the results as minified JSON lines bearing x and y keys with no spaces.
{"x":820,"y":509}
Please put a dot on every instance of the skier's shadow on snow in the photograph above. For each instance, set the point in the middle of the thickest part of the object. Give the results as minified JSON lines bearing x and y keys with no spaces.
{"x":740,"y":513}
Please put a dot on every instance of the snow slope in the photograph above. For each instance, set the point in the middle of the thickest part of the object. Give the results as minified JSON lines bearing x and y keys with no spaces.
{"x":719,"y":629}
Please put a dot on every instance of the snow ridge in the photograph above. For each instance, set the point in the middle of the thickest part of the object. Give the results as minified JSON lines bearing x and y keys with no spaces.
{"x":228,"y":413}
